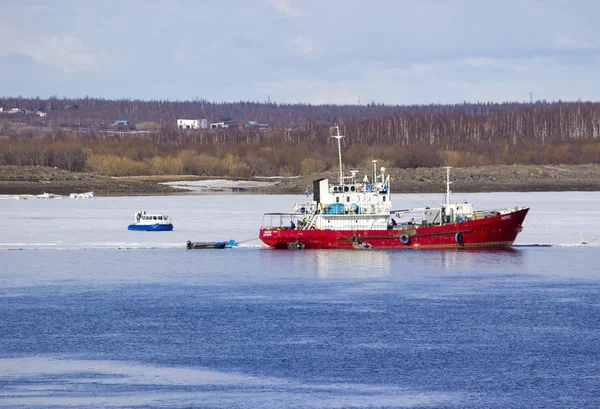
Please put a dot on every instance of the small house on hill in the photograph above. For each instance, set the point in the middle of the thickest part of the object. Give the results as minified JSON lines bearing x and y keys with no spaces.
{"x":225,"y":124}
{"x":191,"y":123}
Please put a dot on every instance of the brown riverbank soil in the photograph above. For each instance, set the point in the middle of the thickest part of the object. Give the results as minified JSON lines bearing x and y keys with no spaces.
{"x":35,"y":180}
{"x":516,"y":178}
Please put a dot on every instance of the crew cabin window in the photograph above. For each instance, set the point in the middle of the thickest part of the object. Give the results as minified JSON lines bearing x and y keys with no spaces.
{"x":384,"y":198}
{"x":348,"y":199}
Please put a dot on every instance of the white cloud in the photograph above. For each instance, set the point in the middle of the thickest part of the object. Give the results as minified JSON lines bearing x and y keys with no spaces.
{"x":544,"y":48}
{"x":491,"y":79}
{"x":572,"y":43}
{"x":45,"y":46}
{"x":415,"y":70}
{"x":304,"y":90}
{"x":65,"y":52}
{"x":302,"y":45}
{"x":516,"y":65}
{"x":523,"y":68}
{"x":479,"y":62}
{"x":284,"y":7}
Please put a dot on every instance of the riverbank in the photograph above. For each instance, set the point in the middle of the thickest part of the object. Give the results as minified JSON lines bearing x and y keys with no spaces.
{"x":514,"y":178}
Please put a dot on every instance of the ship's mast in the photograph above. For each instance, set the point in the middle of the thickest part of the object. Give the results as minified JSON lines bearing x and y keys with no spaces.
{"x":338,"y":137}
{"x":448,"y":186}
{"x":374,"y":171}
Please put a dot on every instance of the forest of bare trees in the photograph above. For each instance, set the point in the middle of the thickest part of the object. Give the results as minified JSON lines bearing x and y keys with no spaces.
{"x":80,"y":135}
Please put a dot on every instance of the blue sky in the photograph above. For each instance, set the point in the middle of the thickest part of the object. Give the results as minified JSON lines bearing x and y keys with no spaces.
{"x":302,"y":51}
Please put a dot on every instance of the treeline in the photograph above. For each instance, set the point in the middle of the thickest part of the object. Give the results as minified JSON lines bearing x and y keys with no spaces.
{"x":298,"y":139}
{"x":444,"y":125}
{"x":149,"y":155}
{"x":98,"y":110}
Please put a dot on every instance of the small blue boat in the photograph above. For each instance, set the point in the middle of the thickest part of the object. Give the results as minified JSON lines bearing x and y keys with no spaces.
{"x":206,"y":244}
{"x":151,"y":222}
{"x":210,"y":244}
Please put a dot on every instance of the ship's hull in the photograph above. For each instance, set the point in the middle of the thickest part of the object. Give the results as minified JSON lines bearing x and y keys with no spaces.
{"x":150,"y":227}
{"x":492,"y":232}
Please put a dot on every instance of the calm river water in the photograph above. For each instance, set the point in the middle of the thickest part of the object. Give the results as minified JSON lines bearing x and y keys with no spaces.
{"x":93,"y":316}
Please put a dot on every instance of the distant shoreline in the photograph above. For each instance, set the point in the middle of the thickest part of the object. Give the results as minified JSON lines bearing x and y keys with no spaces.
{"x":16,"y":180}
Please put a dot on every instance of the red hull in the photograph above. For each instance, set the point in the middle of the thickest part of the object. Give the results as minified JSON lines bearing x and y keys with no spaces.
{"x":492,"y":232}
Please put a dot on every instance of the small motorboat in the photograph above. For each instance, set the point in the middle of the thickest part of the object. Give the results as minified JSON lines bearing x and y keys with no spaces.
{"x":151,"y":222}
{"x":86,"y":195}
{"x":48,"y":196}
{"x":206,"y":244}
{"x":295,"y":245}
{"x":362,"y":246}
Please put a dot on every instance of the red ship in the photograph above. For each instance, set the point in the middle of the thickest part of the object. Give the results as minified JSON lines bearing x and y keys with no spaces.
{"x":359,"y":214}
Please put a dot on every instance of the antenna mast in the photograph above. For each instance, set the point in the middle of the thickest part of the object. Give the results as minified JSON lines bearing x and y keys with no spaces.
{"x":374,"y":171}
{"x":338,"y":137}
{"x":448,"y":186}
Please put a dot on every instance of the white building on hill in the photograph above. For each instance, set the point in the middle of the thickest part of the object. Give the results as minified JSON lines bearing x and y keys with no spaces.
{"x":191,"y":123}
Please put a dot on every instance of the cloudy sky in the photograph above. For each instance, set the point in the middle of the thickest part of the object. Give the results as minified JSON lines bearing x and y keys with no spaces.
{"x":309,"y":51}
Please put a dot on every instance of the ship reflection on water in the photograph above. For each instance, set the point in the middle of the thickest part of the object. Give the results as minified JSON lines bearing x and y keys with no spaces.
{"x":401,"y":264}
{"x":407,"y":263}
{"x":357,"y":264}
{"x":470,"y":259}
{"x":352,"y":263}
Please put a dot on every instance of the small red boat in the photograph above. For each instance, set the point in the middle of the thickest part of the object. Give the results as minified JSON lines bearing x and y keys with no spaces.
{"x":355,"y":214}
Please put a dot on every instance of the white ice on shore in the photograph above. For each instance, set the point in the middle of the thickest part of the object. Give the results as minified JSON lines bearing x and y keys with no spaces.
{"x":217,"y":185}
{"x":86,"y":195}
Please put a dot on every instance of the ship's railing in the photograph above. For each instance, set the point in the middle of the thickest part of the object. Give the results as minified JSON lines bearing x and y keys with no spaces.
{"x":286,"y":221}
{"x":311,"y":217}
{"x":352,"y":222}
{"x":484,"y":214}
{"x":280,"y":221}
{"x":340,"y":208}
{"x":359,"y":188}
